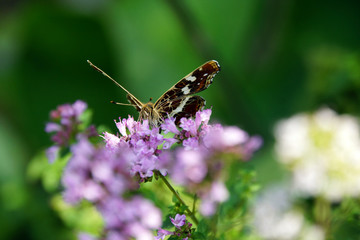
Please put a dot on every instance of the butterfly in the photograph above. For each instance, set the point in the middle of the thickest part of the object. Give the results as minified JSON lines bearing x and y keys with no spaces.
{"x":177,"y":102}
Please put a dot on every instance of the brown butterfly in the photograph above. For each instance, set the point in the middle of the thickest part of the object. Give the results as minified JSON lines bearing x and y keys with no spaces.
{"x":178,"y":101}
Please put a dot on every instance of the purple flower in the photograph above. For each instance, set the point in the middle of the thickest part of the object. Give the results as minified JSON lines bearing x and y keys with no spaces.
{"x":231,"y":140}
{"x":115,"y":235}
{"x":162,"y":234}
{"x":191,"y":143}
{"x":170,"y":126}
{"x":86,"y":236}
{"x":182,"y":228}
{"x":112,"y":141}
{"x":127,"y":126}
{"x":168,"y":142}
{"x":189,"y":125}
{"x":192,"y":129}
{"x":190,"y":166}
{"x":253,"y":144}
{"x":199,"y":163}
{"x":135,"y":217}
{"x":217,"y":194}
{"x":52,"y":153}
{"x":105,"y":174}
{"x":144,"y":143}
{"x":79,"y":107}
{"x":68,"y":114}
{"x":92,"y":191}
{"x":144,"y":166}
{"x":66,"y":126}
{"x":52,"y":127}
{"x":101,"y":176}
{"x":92,"y":172}
{"x":179,"y":220}
{"x":203,"y":117}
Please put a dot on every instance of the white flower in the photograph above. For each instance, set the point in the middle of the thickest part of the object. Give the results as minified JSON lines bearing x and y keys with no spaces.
{"x":323,"y":152}
{"x":275,"y":217}
{"x":312,"y":233}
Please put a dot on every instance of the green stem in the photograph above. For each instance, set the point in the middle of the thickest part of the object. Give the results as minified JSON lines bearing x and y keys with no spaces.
{"x":322,"y":213}
{"x":188,"y":211}
{"x":194,"y":203}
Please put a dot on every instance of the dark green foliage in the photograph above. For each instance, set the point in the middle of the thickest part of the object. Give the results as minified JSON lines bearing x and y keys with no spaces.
{"x":277,"y":58}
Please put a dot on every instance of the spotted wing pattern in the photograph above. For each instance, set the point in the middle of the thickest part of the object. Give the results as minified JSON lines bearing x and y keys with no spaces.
{"x":178,"y":101}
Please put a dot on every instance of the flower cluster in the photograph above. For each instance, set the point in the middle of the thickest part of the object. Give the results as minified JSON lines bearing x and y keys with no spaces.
{"x":93,"y":173}
{"x":108,"y":174}
{"x":66,"y":124}
{"x":200,"y":158}
{"x":322,"y":150}
{"x":144,"y":143}
{"x":182,"y":231}
{"x":200,"y":161}
{"x":102,"y":177}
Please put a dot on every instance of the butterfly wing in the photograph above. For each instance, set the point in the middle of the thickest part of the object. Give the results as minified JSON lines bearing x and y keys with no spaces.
{"x":196,"y":81}
{"x":177,"y":101}
{"x":185,"y":106}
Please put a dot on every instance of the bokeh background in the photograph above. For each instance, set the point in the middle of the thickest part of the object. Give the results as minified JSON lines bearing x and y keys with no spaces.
{"x":278,"y":58}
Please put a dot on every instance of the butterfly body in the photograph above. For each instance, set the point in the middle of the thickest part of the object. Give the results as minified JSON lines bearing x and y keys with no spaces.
{"x":179,"y":100}
{"x":150,"y":113}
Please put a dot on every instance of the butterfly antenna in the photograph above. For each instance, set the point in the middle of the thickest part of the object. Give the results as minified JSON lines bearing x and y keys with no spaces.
{"x":122,"y":104}
{"x":104,"y":73}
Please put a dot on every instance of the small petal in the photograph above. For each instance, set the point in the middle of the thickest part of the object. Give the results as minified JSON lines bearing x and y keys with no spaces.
{"x":169,"y":126}
{"x":190,"y":166}
{"x":191,"y":143}
{"x":232,"y":136}
{"x":207,"y":208}
{"x":86,"y":236}
{"x":79,"y":107}
{"x":169,"y":142}
{"x":251,"y":146}
{"x":52,"y":127}
{"x":121,"y":125}
{"x":219,"y":192}
{"x":162,"y":233}
{"x":203,"y":117}
{"x":92,"y":191}
{"x":189,"y":125}
{"x":112,"y":141}
{"x":179,"y":220}
{"x":52,"y":153}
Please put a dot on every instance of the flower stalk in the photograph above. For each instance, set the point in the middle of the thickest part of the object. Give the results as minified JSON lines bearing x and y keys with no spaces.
{"x":188,"y":211}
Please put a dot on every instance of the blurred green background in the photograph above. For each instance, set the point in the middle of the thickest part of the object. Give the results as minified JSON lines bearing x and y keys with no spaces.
{"x":278,"y":58}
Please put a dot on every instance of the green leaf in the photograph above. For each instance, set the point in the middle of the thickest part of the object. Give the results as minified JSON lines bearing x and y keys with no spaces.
{"x":37,"y":166}
{"x":198,"y":235}
{"x":49,"y":173}
{"x":85,"y":118}
{"x":82,"y":217}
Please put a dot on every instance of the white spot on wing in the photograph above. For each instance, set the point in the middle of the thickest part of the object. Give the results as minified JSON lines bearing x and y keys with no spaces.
{"x":180,"y":107}
{"x":191,"y":78}
{"x":185,"y":90}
